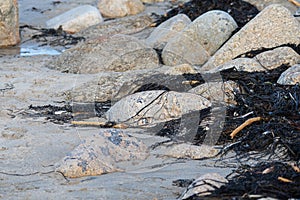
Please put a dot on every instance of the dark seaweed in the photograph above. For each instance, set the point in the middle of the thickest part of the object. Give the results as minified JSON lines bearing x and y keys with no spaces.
{"x":261,"y":180}
{"x":240,"y":10}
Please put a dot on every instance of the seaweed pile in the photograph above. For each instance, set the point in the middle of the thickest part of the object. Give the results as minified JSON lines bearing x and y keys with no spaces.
{"x":55,"y":114}
{"x":240,"y":10}
{"x":273,"y":142}
{"x":274,"y":179}
{"x":278,"y":133}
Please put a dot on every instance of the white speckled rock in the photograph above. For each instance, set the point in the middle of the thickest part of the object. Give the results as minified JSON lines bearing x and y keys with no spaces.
{"x":151,"y":107}
{"x":120,"y":8}
{"x":77,"y":19}
{"x":200,"y":39}
{"x":101,"y":153}
{"x":217,"y":91}
{"x":273,"y":26}
{"x":291,"y":76}
{"x":277,"y":57}
{"x":167,"y":30}
{"x":241,"y":64}
{"x":117,"y":53}
{"x":9,"y":23}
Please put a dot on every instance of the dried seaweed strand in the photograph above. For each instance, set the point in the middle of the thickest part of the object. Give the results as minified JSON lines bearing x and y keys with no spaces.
{"x":243,"y":125}
{"x":86,"y":123}
{"x":295,"y":2}
{"x":285,"y":180}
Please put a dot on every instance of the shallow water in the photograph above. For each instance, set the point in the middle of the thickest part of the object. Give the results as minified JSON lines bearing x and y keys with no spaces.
{"x":33,"y":50}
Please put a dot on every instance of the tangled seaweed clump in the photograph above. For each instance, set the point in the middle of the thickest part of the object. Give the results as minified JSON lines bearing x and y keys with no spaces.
{"x":275,"y":179}
{"x":240,"y":10}
{"x":278,"y":132}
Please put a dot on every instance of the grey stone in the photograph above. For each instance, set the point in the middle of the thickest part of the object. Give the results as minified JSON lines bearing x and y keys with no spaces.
{"x":291,"y":76}
{"x":101,"y":153}
{"x":277,"y":57}
{"x":204,"y":185}
{"x":200,"y":39}
{"x":117,"y":53}
{"x":120,"y":8}
{"x":152,"y":107}
{"x":125,"y":25}
{"x":264,"y":3}
{"x":212,"y":29}
{"x":190,"y":151}
{"x":273,"y":26}
{"x":183,"y":49}
{"x":241,"y":64}
{"x":222,"y":92}
{"x":76,"y":19}
{"x":9,"y":23}
{"x":167,"y":30}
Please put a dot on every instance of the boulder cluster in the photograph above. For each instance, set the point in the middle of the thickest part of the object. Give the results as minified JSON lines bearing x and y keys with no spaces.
{"x":124,"y":62}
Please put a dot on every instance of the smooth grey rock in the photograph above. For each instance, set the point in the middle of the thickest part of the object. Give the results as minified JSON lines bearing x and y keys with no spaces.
{"x":200,"y":39}
{"x":152,"y":107}
{"x":117,"y":53}
{"x":204,"y":185}
{"x":167,"y":30}
{"x":273,"y":26}
{"x":120,"y":8}
{"x":277,"y":57}
{"x":9,"y":23}
{"x":183,"y":49}
{"x":291,"y":76}
{"x":125,"y":25}
{"x":222,"y":92}
{"x":76,"y":19}
{"x":212,"y":29}
{"x":241,"y":64}
{"x":101,"y":153}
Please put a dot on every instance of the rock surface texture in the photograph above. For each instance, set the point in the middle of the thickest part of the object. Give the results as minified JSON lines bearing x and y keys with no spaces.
{"x":273,"y":26}
{"x":117,"y":53}
{"x":277,"y":57}
{"x":151,"y":107}
{"x":199,"y":40}
{"x":101,"y":153}
{"x":9,"y":23}
{"x":124,"y":25}
{"x":76,"y":19}
{"x":240,"y":64}
{"x":291,"y":76}
{"x":120,"y":8}
{"x":167,"y":30}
